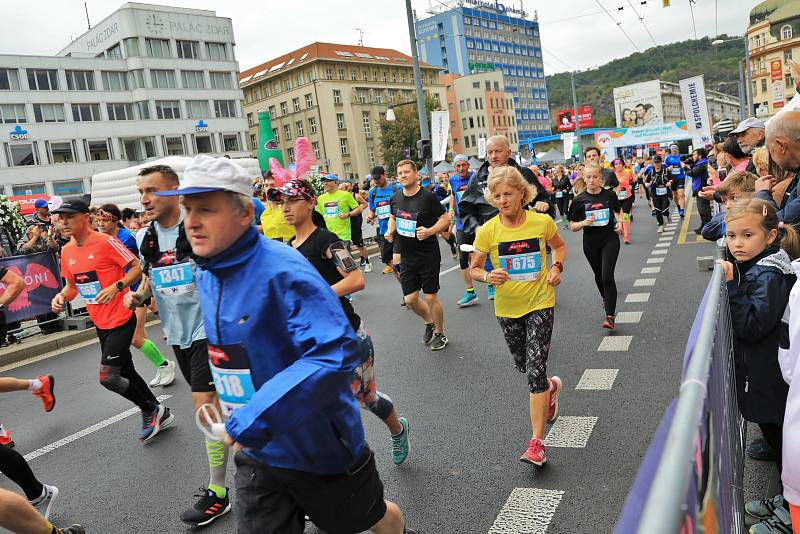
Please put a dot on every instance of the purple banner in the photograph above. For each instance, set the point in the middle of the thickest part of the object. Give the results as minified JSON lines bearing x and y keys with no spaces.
{"x":42,"y":281}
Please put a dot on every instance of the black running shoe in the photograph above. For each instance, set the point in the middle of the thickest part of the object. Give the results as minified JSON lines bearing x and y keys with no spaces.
{"x":439,"y":342}
{"x":74,"y":529}
{"x":208,"y":508}
{"x":154,"y":422}
{"x":428,"y":335}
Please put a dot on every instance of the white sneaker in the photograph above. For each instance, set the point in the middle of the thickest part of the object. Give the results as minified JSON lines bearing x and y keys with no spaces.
{"x":154,"y":383}
{"x":45,"y":505}
{"x":368,"y":267}
{"x":167,"y":374}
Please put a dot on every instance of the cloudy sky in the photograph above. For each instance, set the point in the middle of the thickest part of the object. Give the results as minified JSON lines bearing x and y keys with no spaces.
{"x":578,"y":33}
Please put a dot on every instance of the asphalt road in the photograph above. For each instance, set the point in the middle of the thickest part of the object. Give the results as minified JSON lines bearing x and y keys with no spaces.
{"x":467,"y":406}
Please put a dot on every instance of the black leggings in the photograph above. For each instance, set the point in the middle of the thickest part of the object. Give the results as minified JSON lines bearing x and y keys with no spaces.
{"x":773,"y":434}
{"x":602,"y":250}
{"x":563,"y":204}
{"x":661,"y":205}
{"x":14,"y":466}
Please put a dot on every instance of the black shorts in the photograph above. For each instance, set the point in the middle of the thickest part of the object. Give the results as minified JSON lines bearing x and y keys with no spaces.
{"x":385,"y":249}
{"x":626,"y":205}
{"x":416,"y":277}
{"x":356,"y":235}
{"x":193,"y":361}
{"x":678,"y":183}
{"x":274,"y":501}
{"x":464,"y":239}
{"x":115,"y":343}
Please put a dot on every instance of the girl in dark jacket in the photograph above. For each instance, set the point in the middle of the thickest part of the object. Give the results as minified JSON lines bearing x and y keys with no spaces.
{"x":759,"y":278}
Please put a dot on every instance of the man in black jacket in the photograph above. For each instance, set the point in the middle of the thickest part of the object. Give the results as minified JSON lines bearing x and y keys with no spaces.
{"x":474,"y":208}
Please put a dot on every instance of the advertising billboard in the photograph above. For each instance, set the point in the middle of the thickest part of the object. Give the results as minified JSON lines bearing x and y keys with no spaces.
{"x":566,"y":118}
{"x":776,"y":74}
{"x":638,"y":104}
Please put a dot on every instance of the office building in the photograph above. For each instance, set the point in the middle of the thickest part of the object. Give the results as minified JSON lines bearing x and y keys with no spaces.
{"x":145,"y":82}
{"x":773,"y":38}
{"x":471,"y":36}
{"x":479,"y":108}
{"x":333,"y":94}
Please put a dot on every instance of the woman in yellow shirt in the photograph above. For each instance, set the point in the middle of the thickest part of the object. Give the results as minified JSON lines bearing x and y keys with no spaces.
{"x":273,"y":224}
{"x":525,"y":298}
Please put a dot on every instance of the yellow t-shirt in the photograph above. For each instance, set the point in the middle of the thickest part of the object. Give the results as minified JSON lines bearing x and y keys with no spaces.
{"x":274,"y":225}
{"x":522,"y":252}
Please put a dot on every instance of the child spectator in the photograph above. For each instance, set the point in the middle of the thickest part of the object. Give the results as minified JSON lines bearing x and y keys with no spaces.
{"x":738,"y":185}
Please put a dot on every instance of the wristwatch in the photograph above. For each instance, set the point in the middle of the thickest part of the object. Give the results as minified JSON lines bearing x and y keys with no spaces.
{"x":559,"y":265}
{"x":120,"y":286}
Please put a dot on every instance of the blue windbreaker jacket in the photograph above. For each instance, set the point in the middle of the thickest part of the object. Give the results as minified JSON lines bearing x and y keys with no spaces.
{"x":265,"y":305}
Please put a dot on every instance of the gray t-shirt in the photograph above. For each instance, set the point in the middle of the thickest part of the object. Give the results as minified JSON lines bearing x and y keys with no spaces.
{"x":174,"y":288}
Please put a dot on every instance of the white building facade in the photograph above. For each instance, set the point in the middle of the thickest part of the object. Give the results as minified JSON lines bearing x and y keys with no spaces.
{"x":146,"y":82}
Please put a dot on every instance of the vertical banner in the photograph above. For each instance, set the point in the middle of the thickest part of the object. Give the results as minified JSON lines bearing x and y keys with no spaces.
{"x":42,"y":281}
{"x":698,"y":121}
{"x":440,"y":132}
{"x":481,"y":148}
{"x":569,"y":141}
{"x":776,"y":73}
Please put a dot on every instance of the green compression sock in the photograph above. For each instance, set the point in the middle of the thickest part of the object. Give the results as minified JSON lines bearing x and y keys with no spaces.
{"x":217,"y":461}
{"x":152,"y":353}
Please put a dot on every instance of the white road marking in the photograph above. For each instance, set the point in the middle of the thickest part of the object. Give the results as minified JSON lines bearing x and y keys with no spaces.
{"x":615,"y":343}
{"x":651,"y":270}
{"x":656,"y":260}
{"x":598,"y":379}
{"x":527,"y":511}
{"x":660,"y":251}
{"x":570,"y":431}
{"x":644,"y":282}
{"x":628,"y":317}
{"x":637,"y":297}
{"x":451,"y":269}
{"x":86,"y":431}
{"x":664,"y":244}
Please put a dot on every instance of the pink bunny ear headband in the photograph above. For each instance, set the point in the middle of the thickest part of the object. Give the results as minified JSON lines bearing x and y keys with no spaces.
{"x":303,"y":159}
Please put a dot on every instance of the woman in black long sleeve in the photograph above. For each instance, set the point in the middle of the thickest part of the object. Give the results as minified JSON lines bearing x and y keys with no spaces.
{"x":699,"y":173}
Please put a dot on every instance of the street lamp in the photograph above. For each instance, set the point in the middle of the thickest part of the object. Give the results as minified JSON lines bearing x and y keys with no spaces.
{"x":421,"y":109}
{"x":745,"y":78}
{"x":390,"y":116}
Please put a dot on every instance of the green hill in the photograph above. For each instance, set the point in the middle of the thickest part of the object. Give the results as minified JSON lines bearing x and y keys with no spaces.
{"x":670,"y":63}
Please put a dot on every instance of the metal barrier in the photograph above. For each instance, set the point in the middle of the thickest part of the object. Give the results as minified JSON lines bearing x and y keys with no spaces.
{"x":691,"y":477}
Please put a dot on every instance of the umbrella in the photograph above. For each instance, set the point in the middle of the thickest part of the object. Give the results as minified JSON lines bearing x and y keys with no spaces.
{"x":474,"y":163}
{"x":443,"y":167}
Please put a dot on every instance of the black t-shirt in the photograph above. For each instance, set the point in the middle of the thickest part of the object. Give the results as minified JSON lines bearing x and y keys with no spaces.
{"x":603,"y":205}
{"x":315,"y":250}
{"x":420,"y":210}
{"x":658,"y":179}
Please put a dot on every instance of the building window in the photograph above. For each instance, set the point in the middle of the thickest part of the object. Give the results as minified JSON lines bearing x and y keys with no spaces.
{"x":188,"y":49}
{"x":328,"y":74}
{"x":290,"y":153}
{"x":120,"y":112}
{"x":98,"y":150}
{"x":340,"y":121}
{"x":383,"y":75}
{"x":230,"y":143}
{"x":370,"y":158}
{"x":341,"y":74}
{"x":217,"y":51}
{"x":253,"y":142}
{"x":136,"y":79}
{"x":80,"y":80}
{"x":786,"y":32}
{"x":142,"y":110}
{"x":787,"y":55}
{"x":224,"y":109}
{"x":287,"y":84}
{"x":353,"y":76}
{"x":68,"y":188}
{"x":197,"y":109}
{"x":343,"y":145}
{"x":86,"y":112}
{"x":13,"y":113}
{"x":312,"y":125}
{"x":365,"y":118}
{"x":168,"y":109}
{"x":272,"y":113}
{"x":378,"y":96}
{"x":175,"y":146}
{"x":61,"y":152}
{"x":763,"y":85}
{"x":157,"y":47}
{"x":117,"y":81}
{"x":788,"y":81}
{"x":48,"y":113}
{"x":9,"y":79}
{"x":337,"y":96}
{"x":275,"y":135}
{"x":287,"y":132}
{"x":299,"y":127}
{"x":28,"y":189}
{"x":42,"y":80}
{"x":193,"y":79}
{"x":296,"y":104}
{"x":361,"y":96}
{"x":250,"y":120}
{"x":284,"y":108}
{"x":309,"y":101}
{"x":315,"y":147}
{"x":115,"y":52}
{"x":221,"y":80}
{"x":163,"y":79}
{"x":21,"y":154}
{"x":132,"y":47}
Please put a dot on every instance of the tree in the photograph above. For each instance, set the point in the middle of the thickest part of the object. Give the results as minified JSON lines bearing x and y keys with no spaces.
{"x":403,"y":133}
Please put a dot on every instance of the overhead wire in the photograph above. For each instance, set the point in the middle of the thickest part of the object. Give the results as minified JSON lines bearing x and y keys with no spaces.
{"x":619,"y":25}
{"x":691,"y":8}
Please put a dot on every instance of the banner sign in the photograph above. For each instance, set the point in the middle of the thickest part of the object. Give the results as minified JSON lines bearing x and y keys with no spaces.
{"x":566,"y":118}
{"x":440,"y":133}
{"x":698,"y":121}
{"x":42,"y":281}
{"x":776,"y":73}
{"x":642,"y":135}
{"x":26,"y":202}
{"x":481,"y":148}
{"x":638,"y":104}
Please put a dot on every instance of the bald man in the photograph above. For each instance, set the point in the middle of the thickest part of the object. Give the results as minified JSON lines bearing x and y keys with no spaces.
{"x":783,"y":144}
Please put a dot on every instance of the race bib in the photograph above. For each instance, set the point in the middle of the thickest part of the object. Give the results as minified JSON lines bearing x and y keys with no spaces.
{"x":459,"y":194}
{"x":661,"y":191}
{"x":623,"y":194}
{"x":522,"y":260}
{"x":601,"y":216}
{"x":675,"y":171}
{"x":173,"y":279}
{"x":331,"y":209}
{"x":559,"y":194}
{"x":383,"y":210}
{"x":88,"y":286}
{"x":406,"y":223}
{"x":230,"y":369}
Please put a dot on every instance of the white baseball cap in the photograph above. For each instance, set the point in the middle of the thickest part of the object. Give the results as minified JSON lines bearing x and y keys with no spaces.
{"x":206,"y":174}
{"x":750,"y":122}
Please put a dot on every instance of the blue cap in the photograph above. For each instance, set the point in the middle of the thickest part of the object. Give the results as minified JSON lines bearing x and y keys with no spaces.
{"x":426,"y":182}
{"x":330,"y":178}
{"x":40,"y":203}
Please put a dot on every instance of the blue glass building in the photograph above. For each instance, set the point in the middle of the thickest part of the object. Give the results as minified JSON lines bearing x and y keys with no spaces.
{"x":491,"y":36}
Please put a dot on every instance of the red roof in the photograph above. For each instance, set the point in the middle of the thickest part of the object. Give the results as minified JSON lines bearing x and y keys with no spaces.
{"x":337,"y":52}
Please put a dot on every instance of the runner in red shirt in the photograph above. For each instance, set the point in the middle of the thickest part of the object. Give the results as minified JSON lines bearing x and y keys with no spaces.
{"x":94,"y":265}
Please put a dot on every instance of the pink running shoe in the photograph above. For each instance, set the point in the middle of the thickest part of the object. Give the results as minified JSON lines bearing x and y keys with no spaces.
{"x":535,"y":454}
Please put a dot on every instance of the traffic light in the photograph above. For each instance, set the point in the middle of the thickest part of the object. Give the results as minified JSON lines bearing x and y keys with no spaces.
{"x":424,"y":149}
